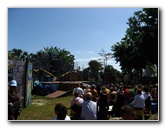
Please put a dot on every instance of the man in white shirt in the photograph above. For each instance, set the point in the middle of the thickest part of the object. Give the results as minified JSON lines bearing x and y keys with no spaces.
{"x":79,"y":89}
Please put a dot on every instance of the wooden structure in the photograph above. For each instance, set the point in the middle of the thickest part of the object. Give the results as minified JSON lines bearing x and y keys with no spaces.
{"x":43,"y":75}
{"x":57,"y":94}
{"x":21,"y":71}
{"x":71,"y":76}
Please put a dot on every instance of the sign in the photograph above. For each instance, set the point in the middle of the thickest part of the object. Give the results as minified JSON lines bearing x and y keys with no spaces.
{"x":29,"y":84}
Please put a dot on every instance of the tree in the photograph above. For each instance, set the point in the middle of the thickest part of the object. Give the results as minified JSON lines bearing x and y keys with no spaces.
{"x":86,"y":73}
{"x":143,"y":29}
{"x":140,"y":44}
{"x":17,"y":54}
{"x":50,"y":59}
{"x":110,"y":74}
{"x":54,"y":60}
{"x":95,"y":66}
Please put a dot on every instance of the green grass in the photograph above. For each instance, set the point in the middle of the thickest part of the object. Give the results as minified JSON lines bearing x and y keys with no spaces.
{"x":46,"y":111}
{"x":42,"y":108}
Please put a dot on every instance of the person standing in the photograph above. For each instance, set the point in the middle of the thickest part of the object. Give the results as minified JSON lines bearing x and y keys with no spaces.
{"x":14,"y":101}
{"x":102,"y":106}
{"x":75,"y":113}
{"x":94,"y":93}
{"x":76,"y":99}
{"x":148,"y":98}
{"x":127,"y":94}
{"x":86,"y":89}
{"x":89,"y":108}
{"x":79,"y":89}
{"x":116,"y":109}
{"x":61,"y":112}
{"x":128,"y":113}
{"x":139,"y":101}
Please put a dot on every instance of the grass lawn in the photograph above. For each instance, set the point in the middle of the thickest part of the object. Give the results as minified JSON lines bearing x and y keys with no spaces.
{"x":42,"y":108}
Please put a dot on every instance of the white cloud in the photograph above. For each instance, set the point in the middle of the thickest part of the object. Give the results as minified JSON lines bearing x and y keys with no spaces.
{"x":81,"y":60}
{"x":79,"y":52}
{"x":84,"y":62}
{"x":82,"y":51}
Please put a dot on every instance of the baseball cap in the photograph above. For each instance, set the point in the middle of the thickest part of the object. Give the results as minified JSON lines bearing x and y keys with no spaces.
{"x":13,"y":83}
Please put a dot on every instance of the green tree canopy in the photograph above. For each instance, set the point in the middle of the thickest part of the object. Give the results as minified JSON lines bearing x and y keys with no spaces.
{"x":51,"y":59}
{"x":94,"y":66}
{"x":140,"y":44}
{"x":17,"y":54}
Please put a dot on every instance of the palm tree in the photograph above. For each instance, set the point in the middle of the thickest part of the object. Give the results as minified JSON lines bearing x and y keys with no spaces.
{"x":17,"y":54}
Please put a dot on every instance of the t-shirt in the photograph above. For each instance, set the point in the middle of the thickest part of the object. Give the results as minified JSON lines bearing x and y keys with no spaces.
{"x":67,"y":118}
{"x":127,"y":94}
{"x":89,"y":109}
{"x":139,"y":101}
{"x":76,"y":100}
{"x":132,"y":92}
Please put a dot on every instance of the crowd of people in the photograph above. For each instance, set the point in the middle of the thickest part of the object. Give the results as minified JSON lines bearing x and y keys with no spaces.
{"x":92,"y":102}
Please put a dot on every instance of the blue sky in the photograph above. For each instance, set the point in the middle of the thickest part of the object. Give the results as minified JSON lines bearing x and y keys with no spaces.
{"x":82,"y":31}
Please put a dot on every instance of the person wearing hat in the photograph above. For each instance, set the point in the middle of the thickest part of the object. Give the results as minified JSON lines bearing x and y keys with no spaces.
{"x":79,"y":89}
{"x":14,"y":101}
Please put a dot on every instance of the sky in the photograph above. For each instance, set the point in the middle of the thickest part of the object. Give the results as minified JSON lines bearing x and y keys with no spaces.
{"x":84,"y":32}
